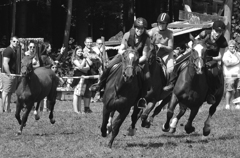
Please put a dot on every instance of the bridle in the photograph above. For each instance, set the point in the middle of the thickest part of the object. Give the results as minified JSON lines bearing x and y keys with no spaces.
{"x":128,"y":67}
{"x":196,"y":59}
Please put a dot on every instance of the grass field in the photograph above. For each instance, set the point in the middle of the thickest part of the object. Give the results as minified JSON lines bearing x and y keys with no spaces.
{"x":74,"y":136}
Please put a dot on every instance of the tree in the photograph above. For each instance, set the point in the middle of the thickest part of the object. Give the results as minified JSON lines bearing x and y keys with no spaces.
{"x":68,"y":25}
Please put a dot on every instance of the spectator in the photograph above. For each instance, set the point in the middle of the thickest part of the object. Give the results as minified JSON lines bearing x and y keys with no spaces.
{"x":9,"y":81}
{"x":81,"y":67}
{"x":32,"y":52}
{"x":231,"y":66}
{"x":94,"y":62}
{"x":46,"y":59}
{"x":99,"y":49}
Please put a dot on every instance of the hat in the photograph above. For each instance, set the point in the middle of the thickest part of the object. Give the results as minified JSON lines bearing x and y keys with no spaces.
{"x":219,"y":25}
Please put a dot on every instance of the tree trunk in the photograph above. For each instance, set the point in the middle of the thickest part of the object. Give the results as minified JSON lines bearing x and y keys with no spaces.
{"x":13,"y":17}
{"x":68,"y":25}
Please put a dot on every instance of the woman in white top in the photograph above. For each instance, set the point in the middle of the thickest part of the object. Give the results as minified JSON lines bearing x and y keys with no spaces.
{"x":231,"y":66}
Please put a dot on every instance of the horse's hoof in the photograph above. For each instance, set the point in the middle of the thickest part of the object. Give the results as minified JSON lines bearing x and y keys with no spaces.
{"x":189,"y":129}
{"x":52,"y":121}
{"x":146,"y":124}
{"x":18,"y":133}
{"x":37,"y":117}
{"x":151,"y":119}
{"x":206,"y":130}
{"x":109,"y":145}
{"x":104,"y":134}
{"x":172,"y":130}
{"x":35,"y":112}
{"x":164,"y":129}
{"x":109,"y":129}
{"x":131,"y":131}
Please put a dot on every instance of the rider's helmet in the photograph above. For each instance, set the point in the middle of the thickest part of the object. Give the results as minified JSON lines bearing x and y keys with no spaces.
{"x":141,"y":23}
{"x":219,"y":25}
{"x":163,"y":18}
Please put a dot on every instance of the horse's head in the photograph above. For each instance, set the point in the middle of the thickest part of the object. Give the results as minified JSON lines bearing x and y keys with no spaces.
{"x":198,"y":54}
{"x":26,"y":66}
{"x":130,"y":61}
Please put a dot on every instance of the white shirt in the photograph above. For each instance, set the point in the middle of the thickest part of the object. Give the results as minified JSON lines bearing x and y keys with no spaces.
{"x":233,"y":61}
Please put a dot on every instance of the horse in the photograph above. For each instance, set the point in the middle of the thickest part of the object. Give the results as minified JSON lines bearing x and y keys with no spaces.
{"x":155,"y":93}
{"x":34,"y":86}
{"x":191,"y":89}
{"x":122,"y":91}
{"x":159,"y":77}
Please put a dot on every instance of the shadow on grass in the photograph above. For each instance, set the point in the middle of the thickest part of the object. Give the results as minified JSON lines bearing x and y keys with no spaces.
{"x":180,"y":135}
{"x":51,"y":134}
{"x":145,"y":145}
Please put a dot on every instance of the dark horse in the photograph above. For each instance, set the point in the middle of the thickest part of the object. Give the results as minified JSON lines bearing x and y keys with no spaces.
{"x":122,"y":91}
{"x":34,"y":86}
{"x":191,"y":89}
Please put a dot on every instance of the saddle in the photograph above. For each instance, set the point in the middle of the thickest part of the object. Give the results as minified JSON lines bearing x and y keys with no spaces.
{"x":181,"y":63}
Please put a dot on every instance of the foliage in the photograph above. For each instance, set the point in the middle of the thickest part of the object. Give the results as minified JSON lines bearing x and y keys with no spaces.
{"x":235,"y":24}
{"x":105,"y":9}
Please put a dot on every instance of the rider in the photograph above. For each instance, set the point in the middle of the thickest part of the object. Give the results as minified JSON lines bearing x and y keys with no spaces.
{"x":163,"y":38}
{"x":216,"y":44}
{"x":137,"y":38}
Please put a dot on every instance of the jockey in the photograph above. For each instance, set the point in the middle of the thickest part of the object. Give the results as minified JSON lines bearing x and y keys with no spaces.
{"x":163,"y":38}
{"x":216,"y":44}
{"x":136,"y":38}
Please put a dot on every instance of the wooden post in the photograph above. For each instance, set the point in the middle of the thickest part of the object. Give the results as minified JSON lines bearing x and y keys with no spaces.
{"x":104,"y":56}
{"x":228,"y":14}
{"x":13,"y":18}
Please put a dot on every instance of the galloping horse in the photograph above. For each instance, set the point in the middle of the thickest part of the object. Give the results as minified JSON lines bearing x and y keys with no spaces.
{"x":191,"y":89}
{"x":122,"y":91}
{"x":155,"y":92}
{"x":33,"y":87}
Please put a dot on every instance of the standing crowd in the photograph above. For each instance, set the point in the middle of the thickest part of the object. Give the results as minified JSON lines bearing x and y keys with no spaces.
{"x":90,"y":60}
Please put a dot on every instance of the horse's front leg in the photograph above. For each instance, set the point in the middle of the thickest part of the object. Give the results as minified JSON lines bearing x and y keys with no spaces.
{"x":117,"y":124}
{"x":51,"y":108}
{"x":106,"y":114}
{"x":19,"y":106}
{"x":146,"y":112}
{"x":25,"y":117}
{"x":158,"y":109}
{"x":109,"y":125}
{"x":188,"y":127}
{"x":173,"y":125}
{"x":134,"y":117}
{"x":212,"y":110}
{"x":170,"y":110}
{"x":37,"y":117}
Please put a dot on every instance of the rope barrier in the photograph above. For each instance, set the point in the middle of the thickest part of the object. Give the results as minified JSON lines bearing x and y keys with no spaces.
{"x":15,"y":75}
{"x":65,"y":77}
{"x":84,"y":77}
{"x":232,"y":76}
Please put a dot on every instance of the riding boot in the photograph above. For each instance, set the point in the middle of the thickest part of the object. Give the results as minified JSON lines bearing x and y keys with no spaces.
{"x":213,"y":82}
{"x":98,"y":86}
{"x":172,"y":81}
